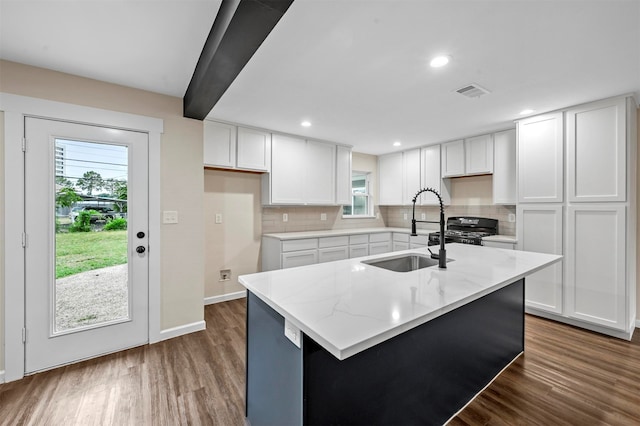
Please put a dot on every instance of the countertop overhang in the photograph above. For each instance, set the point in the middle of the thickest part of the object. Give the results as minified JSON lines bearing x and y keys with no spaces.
{"x":348,"y":306}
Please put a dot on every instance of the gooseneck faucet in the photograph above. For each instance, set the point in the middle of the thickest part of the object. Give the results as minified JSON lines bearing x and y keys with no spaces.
{"x":442,"y":253}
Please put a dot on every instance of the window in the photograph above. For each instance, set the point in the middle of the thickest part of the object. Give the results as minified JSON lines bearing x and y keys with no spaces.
{"x":361,"y":203}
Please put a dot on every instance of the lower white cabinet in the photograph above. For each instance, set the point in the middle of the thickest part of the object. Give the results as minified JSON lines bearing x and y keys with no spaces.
{"x":540,"y":230}
{"x":299,"y":258}
{"x":596,"y":285}
{"x":379,"y":248}
{"x":397,"y":246}
{"x":358,"y":250}
{"x":333,"y":253}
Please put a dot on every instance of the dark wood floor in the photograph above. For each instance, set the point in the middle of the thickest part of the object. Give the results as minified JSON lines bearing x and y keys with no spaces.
{"x":567,"y":376}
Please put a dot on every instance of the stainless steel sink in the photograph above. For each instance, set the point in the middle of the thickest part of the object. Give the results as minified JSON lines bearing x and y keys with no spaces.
{"x":404,"y":262}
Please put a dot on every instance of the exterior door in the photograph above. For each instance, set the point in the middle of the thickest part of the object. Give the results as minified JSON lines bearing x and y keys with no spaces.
{"x":86,"y":234}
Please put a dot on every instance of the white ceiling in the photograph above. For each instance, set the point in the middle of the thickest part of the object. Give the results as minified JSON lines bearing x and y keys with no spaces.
{"x":358,"y":70}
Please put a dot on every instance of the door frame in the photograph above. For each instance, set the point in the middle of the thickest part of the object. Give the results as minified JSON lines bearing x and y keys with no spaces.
{"x":15,"y":109}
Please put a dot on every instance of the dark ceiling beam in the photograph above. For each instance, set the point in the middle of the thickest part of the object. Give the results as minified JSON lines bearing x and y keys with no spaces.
{"x":237,"y":32}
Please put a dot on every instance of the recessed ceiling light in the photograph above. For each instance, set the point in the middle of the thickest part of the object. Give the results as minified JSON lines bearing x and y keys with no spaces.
{"x":305,"y":123}
{"x":439,"y":61}
{"x":397,"y":143}
{"x":526,"y":111}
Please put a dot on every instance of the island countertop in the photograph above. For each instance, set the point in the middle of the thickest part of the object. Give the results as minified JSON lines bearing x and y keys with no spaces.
{"x":348,"y":306}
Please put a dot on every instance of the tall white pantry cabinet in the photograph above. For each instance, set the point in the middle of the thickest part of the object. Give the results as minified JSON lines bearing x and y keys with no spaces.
{"x":577,"y":197}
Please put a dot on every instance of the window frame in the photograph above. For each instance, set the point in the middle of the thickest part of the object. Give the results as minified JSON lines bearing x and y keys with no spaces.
{"x":366,"y":195}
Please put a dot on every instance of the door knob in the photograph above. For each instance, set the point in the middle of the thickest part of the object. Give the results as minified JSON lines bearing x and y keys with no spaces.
{"x":140,"y":234}
{"x":140,"y":249}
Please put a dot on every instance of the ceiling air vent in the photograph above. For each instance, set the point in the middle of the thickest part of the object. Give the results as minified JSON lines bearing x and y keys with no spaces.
{"x":472,"y":90}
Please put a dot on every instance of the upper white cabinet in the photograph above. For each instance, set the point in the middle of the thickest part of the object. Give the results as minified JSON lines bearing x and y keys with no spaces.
{"x":504,"y":167}
{"x":478,"y":153}
{"x":540,"y":230}
{"x":431,"y":178}
{"x":540,"y":159}
{"x":253,"y":150}
{"x":472,"y":156}
{"x":596,"y":152}
{"x":343,"y":175}
{"x":231,"y":147}
{"x":453,"y":159}
{"x":302,"y":172}
{"x":219,"y":147}
{"x":399,"y":177}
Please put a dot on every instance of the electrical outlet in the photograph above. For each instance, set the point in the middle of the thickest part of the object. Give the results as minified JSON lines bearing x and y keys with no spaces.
{"x":406,"y":216}
{"x":218,"y":217}
{"x":225,"y":274}
{"x":285,"y":217}
{"x":323,"y":216}
{"x":292,"y":332}
{"x":169,"y":216}
{"x":423,"y":216}
{"x":512,"y":217}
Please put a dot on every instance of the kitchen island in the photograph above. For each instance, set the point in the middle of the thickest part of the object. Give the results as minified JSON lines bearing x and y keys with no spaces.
{"x":348,"y":342}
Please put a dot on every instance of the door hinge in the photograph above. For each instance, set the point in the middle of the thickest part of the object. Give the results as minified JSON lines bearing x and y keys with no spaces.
{"x":24,"y":239}
{"x":24,"y":144}
{"x":24,"y":335}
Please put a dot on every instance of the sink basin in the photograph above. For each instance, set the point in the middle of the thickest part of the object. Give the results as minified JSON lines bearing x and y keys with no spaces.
{"x":404,"y":262}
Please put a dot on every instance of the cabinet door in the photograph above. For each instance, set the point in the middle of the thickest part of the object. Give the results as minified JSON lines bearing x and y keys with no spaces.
{"x":504,"y":167}
{"x":540,"y":230}
{"x":596,"y":152}
{"x":332,"y":254}
{"x":540,"y":159}
{"x":358,"y":250}
{"x":288,"y":170}
{"x":299,"y":258}
{"x":411,"y":175}
{"x":320,"y":181}
{"x":343,"y":175}
{"x":397,"y":246}
{"x":430,"y":175}
{"x":478,"y":154}
{"x":390,"y":179}
{"x":219,"y":145}
{"x":596,"y":264}
{"x":254,"y":150}
{"x":453,"y":159}
{"x":378,"y":248}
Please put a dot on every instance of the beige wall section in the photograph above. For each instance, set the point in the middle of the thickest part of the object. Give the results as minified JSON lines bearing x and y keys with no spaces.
{"x":235,"y":243}
{"x":182,"y":244}
{"x":1,"y":240}
{"x":472,"y":191}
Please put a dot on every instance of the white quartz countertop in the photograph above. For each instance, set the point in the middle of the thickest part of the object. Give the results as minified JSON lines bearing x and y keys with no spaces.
{"x":339,"y":232}
{"x":501,"y":238}
{"x":348,"y":306}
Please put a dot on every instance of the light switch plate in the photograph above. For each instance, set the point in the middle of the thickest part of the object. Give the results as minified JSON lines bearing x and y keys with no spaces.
{"x":323,"y":216}
{"x":218,"y":217}
{"x":406,"y":216}
{"x":292,"y":332}
{"x":285,"y":217}
{"x":512,"y":217}
{"x":423,"y":216}
{"x":169,"y":216}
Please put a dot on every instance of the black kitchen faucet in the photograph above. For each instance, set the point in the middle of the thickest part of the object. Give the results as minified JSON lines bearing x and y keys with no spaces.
{"x":442,"y":253}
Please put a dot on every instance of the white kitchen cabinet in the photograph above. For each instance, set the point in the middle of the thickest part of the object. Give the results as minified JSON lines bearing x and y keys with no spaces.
{"x":411,"y":174}
{"x":358,"y":250}
{"x":253,"y":150}
{"x":540,"y":230}
{"x":540,"y":159}
{"x":299,"y":258}
{"x":319,"y":182}
{"x":397,"y":246}
{"x":453,"y":162}
{"x":302,"y":172}
{"x":431,"y":177}
{"x":219,"y":145}
{"x":333,"y":253}
{"x":380,"y":243}
{"x":596,"y":152}
{"x":504,"y":167}
{"x":478,"y":154}
{"x":596,"y":285}
{"x":343,"y":175}
{"x":390,"y":179}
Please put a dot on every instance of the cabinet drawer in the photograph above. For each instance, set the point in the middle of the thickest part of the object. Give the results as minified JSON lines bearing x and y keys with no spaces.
{"x":399,"y":245}
{"x":420,"y":240}
{"x":397,"y":236}
{"x":358,"y":239}
{"x":299,"y":258}
{"x":382,"y":247}
{"x":333,"y":253}
{"x":295,"y":245}
{"x":358,"y":250}
{"x":380,"y":237}
{"x":333,"y":241}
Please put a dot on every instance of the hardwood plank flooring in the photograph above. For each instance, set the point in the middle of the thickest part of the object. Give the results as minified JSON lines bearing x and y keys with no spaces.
{"x":567,"y":376}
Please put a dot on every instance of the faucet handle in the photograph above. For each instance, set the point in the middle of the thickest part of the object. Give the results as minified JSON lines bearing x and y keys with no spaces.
{"x":433,"y":255}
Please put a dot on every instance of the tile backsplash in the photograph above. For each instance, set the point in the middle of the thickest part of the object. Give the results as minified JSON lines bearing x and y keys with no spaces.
{"x":307,"y":218}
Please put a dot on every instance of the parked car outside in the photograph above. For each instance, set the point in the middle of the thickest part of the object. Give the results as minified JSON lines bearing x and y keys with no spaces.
{"x":104,"y":213}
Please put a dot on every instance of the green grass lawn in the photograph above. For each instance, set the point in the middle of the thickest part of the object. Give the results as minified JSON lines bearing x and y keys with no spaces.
{"x":85,"y":251}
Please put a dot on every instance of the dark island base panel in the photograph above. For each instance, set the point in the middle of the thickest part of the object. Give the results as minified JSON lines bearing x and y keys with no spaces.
{"x":421,"y":377}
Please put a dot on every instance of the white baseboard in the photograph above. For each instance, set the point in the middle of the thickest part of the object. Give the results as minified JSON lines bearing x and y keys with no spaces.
{"x":225,"y":297}
{"x":1,"y":376}
{"x":170,"y":333}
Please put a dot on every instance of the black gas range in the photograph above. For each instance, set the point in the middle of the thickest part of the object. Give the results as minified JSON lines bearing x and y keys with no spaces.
{"x":466,"y":230}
